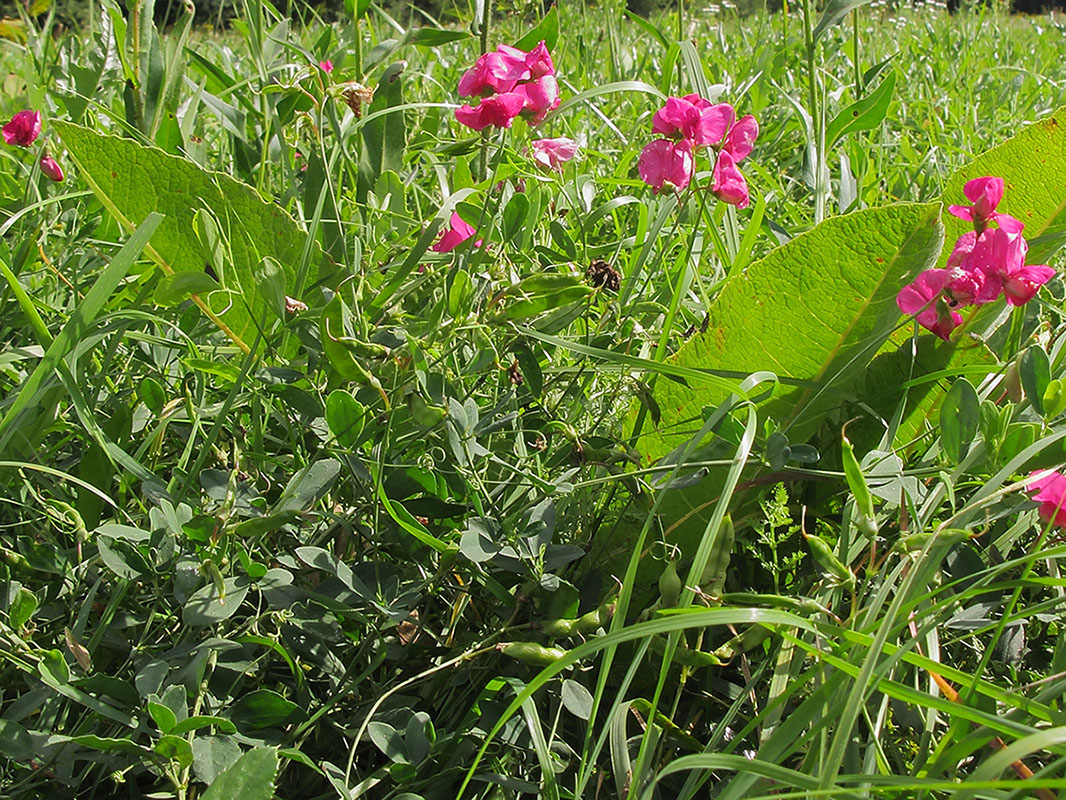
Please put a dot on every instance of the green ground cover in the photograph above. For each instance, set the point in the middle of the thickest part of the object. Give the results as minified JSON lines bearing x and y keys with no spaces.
{"x":627,"y":494}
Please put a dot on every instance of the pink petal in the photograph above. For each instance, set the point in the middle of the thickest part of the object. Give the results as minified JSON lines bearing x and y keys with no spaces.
{"x":985,"y":194}
{"x":459,"y":230}
{"x":666,"y":164}
{"x":715,"y":122}
{"x":23,"y":129}
{"x":741,"y":137}
{"x":498,"y":110}
{"x":729,"y":185}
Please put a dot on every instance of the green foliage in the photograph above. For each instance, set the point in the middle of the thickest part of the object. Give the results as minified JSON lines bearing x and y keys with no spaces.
{"x":394,"y":537}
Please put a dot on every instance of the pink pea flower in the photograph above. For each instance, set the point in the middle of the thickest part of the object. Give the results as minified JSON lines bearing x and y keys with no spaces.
{"x":493,"y":73}
{"x":1000,"y":255}
{"x":1050,"y":490}
{"x":50,"y":167}
{"x":541,"y":95}
{"x":985,"y":194}
{"x":693,"y":118}
{"x":924,"y":299}
{"x":741,"y":137}
{"x":326,"y":66}
{"x":498,"y":110}
{"x":23,"y":129}
{"x":506,"y":74}
{"x":729,"y":185}
{"x":552,"y":153}
{"x":666,"y":164}
{"x":458,"y":231}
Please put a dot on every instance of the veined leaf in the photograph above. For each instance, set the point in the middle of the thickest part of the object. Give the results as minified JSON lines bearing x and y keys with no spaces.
{"x":814,"y":312}
{"x":132,"y":181}
{"x":1033,"y":167}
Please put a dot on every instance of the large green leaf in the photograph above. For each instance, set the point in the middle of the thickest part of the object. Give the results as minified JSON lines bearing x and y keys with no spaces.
{"x":1033,"y":165}
{"x":250,"y":778}
{"x":132,"y":181}
{"x":814,"y":312}
{"x":920,"y":376}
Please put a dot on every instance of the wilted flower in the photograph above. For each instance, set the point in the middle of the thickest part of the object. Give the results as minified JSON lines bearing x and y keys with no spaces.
{"x":552,"y":153}
{"x":23,"y":129}
{"x":1050,"y":490}
{"x":51,"y":168}
{"x":459,"y":230}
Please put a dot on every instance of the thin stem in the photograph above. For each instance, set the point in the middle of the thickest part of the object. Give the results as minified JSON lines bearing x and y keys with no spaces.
{"x":816,"y":112}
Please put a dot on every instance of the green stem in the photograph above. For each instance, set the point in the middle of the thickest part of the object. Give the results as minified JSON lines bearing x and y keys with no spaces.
{"x":816,"y":111}
{"x":486,"y":21}
{"x":855,"y":52}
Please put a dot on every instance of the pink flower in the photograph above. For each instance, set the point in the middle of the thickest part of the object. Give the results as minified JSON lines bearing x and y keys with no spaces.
{"x":498,"y":110}
{"x":326,"y":66}
{"x":552,"y":153}
{"x":668,"y":164}
{"x":1050,"y":490}
{"x":23,"y":128}
{"x":985,"y":194}
{"x":509,"y":72}
{"x":924,"y":299}
{"x":493,"y":73}
{"x":51,"y":168}
{"x":741,"y":137}
{"x":459,"y":230}
{"x":729,"y":185}
{"x":693,"y":118}
{"x":542,"y":95}
{"x":1000,"y":255}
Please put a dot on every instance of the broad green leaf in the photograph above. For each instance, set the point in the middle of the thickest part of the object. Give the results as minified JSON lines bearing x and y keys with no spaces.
{"x":863,"y":115}
{"x":264,"y":708}
{"x":813,"y":312}
{"x":1033,"y":166}
{"x":384,"y":134}
{"x":920,"y":381}
{"x":250,"y":778}
{"x":345,"y":416}
{"x":547,"y":30}
{"x":834,"y":12}
{"x":1035,"y":373}
{"x":208,"y":606}
{"x":177,"y":288}
{"x":15,"y":741}
{"x":959,"y":415}
{"x":132,"y":180}
{"x":213,"y":755}
{"x":174,"y":748}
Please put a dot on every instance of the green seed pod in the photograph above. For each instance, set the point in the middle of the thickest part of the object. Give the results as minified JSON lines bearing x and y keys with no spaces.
{"x":595,"y":619}
{"x":669,"y":585}
{"x":713,"y":580}
{"x":828,"y":561}
{"x":532,"y":653}
{"x":559,"y":628}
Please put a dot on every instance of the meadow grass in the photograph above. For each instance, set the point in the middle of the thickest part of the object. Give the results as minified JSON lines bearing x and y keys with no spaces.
{"x":296,"y":506}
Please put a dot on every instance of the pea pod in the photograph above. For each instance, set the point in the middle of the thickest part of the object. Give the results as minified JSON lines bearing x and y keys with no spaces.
{"x":742,"y":643}
{"x":828,"y":561}
{"x":595,"y":619}
{"x":534,"y":654}
{"x":713,"y":580}
{"x":916,"y":542}
{"x":866,"y":520}
{"x":559,"y":628}
{"x":669,"y":585}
